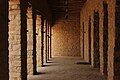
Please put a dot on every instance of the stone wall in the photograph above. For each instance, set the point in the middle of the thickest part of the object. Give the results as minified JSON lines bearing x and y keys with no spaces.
{"x":88,"y":10}
{"x":4,"y":74}
{"x":66,"y":36}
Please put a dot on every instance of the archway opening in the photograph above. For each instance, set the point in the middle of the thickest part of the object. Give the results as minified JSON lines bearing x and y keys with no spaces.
{"x":105,"y":38}
{"x":96,"y":40}
{"x":117,"y":42}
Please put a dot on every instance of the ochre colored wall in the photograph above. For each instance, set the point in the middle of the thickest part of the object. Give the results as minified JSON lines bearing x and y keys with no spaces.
{"x":88,"y":10}
{"x":66,"y":37}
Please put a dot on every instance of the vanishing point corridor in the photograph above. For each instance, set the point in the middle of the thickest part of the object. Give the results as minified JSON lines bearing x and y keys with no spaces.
{"x":59,"y":39}
{"x":67,"y":68}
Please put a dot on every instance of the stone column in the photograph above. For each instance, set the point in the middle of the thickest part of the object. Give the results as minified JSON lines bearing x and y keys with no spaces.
{"x":48,"y":50}
{"x":38,"y":41}
{"x":4,"y":74}
{"x":14,"y":41}
{"x":45,"y":48}
{"x":42,"y":39}
{"x":17,"y":40}
{"x":29,"y":41}
{"x":49,"y":42}
{"x":46,"y":42}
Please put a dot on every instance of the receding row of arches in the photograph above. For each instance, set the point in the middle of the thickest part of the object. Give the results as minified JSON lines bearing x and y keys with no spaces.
{"x":25,"y":39}
{"x":94,"y":24}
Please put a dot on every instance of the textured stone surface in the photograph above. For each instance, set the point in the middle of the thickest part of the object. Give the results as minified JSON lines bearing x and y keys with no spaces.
{"x":66,"y":29}
{"x":45,"y":42}
{"x":66,"y":37}
{"x":29,"y":41}
{"x":14,"y":41}
{"x":65,"y":68}
{"x":38,"y":41}
{"x":87,"y":11}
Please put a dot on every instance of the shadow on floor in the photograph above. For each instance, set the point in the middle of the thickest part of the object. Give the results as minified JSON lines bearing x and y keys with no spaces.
{"x":66,"y":68}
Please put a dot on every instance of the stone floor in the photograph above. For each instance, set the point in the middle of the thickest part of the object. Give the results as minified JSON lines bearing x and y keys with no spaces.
{"x":65,"y":68}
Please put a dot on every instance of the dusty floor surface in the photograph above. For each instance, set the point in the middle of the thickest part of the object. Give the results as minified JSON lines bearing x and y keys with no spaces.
{"x":65,"y":68}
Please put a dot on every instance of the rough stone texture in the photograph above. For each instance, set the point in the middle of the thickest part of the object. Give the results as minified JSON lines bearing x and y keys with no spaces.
{"x":66,"y":29}
{"x":49,"y":42}
{"x":66,"y":37}
{"x":29,"y":41}
{"x":87,"y":11}
{"x":47,"y":49}
{"x":65,"y":68}
{"x":4,"y":74}
{"x":14,"y":41}
{"x":38,"y":41}
{"x":45,"y":42}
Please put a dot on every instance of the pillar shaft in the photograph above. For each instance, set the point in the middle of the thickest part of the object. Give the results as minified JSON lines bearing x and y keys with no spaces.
{"x":29,"y":41}
{"x":38,"y":41}
{"x":17,"y":40}
{"x":42,"y":40}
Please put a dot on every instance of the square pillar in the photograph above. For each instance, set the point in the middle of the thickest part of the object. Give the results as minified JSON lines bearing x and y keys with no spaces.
{"x":29,"y":41}
{"x":42,"y":39}
{"x":45,"y":42}
{"x":17,"y":40}
{"x":38,"y":41}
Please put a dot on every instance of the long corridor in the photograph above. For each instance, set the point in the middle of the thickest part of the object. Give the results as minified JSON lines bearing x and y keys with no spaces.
{"x":66,"y":68}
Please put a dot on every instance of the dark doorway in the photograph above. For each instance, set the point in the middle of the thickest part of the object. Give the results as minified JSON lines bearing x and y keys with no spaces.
{"x":117,"y":42}
{"x":83,"y":39}
{"x":96,"y":40}
{"x":23,"y":40}
{"x":105,"y":38}
{"x":4,"y":60}
{"x":89,"y":40}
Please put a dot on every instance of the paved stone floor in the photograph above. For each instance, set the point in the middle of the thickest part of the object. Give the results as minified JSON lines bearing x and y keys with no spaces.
{"x":65,"y":68}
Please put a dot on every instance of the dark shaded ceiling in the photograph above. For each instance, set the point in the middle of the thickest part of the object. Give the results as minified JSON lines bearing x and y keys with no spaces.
{"x":59,"y":8}
{"x":42,"y":7}
{"x":64,"y":8}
